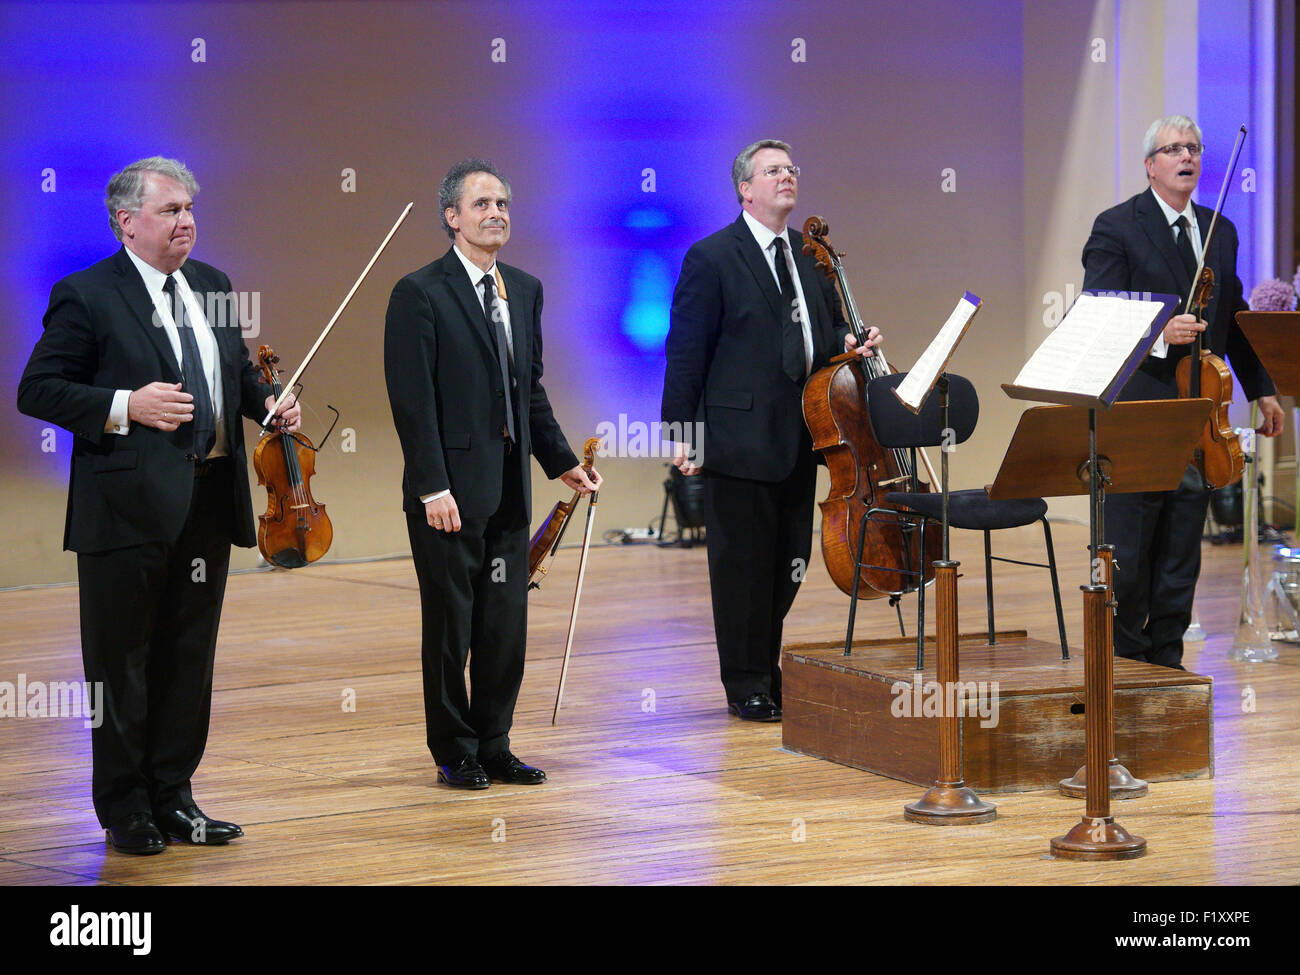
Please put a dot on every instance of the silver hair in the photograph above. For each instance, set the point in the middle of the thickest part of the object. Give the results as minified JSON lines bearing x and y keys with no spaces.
{"x":1180,"y":123}
{"x":126,"y":189}
{"x":453,"y":184}
{"x":742,"y":168}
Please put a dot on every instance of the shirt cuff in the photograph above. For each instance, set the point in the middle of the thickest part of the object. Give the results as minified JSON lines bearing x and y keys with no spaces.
{"x":1161,"y":349}
{"x":426,"y":498}
{"x":118,"y":420}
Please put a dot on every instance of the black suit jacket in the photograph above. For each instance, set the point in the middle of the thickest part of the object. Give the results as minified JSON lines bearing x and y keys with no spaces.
{"x":100,"y":337}
{"x":1132,"y":249}
{"x":445,"y":388}
{"x":724,"y":354}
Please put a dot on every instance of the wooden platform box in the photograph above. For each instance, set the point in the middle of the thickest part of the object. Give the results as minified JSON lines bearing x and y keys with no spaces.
{"x":1024,"y":734}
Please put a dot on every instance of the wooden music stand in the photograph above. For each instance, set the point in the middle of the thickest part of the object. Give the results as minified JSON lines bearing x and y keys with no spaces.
{"x":1069,"y":450}
{"x":1273,"y":335}
{"x":950,"y":801}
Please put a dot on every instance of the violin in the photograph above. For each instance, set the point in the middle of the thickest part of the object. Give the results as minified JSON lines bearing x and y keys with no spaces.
{"x":295,"y":530}
{"x":862,"y":471}
{"x":1218,"y":453}
{"x":546,"y":540}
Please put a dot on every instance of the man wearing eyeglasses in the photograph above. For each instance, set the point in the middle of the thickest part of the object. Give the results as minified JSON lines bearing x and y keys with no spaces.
{"x":752,"y":318}
{"x":1152,"y":243}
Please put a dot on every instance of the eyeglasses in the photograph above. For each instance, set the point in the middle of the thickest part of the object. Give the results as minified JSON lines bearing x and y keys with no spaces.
{"x":1176,"y":149}
{"x":771,"y":171}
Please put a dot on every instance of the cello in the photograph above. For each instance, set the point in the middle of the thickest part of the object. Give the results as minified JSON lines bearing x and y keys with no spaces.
{"x":862,"y":471}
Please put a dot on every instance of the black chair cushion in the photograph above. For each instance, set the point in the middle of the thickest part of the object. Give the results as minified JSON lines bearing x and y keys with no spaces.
{"x":896,"y":426}
{"x":973,"y":510}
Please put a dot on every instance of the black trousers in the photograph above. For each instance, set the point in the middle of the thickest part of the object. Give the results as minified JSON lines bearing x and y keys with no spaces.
{"x":474,"y":606}
{"x":149,"y":617}
{"x":759,"y":537}
{"x":1157,"y":539}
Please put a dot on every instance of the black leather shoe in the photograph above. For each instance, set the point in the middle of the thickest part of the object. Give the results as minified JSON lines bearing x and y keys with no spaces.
{"x":135,"y":834}
{"x":189,"y":825}
{"x":465,"y":774}
{"x":506,"y":768}
{"x":759,"y":707}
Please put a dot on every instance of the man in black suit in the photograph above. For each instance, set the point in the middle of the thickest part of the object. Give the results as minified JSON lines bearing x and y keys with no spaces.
{"x":463,"y":363}
{"x":1148,"y":244}
{"x":152,"y":385}
{"x":745,"y":335}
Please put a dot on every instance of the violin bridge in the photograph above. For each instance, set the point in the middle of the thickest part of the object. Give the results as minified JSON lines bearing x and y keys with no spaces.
{"x":895,"y":480}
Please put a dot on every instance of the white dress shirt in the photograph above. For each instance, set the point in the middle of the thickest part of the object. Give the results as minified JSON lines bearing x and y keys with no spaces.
{"x":765,"y":238}
{"x":118,"y":418}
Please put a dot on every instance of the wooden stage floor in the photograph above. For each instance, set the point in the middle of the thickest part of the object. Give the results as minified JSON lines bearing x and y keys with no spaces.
{"x":650,"y":781}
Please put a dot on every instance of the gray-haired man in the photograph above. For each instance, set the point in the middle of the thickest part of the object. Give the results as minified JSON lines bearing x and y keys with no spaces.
{"x":152,"y":392}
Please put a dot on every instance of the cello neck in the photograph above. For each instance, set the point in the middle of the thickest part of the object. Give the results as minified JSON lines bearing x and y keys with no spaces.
{"x":872,"y":364}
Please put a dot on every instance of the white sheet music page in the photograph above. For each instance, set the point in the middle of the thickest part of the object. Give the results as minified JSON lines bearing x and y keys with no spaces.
{"x":925,"y":371}
{"x":1088,"y":349}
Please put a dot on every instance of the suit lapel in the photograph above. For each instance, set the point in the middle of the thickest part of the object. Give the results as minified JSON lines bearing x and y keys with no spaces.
{"x":1157,"y":230}
{"x":756,"y":261}
{"x":131,"y":286}
{"x":466,"y":293}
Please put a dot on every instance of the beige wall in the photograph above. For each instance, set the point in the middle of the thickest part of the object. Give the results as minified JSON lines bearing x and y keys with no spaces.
{"x":1041,"y":138}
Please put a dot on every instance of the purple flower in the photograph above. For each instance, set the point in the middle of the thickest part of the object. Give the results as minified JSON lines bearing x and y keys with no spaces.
{"x":1273,"y":295}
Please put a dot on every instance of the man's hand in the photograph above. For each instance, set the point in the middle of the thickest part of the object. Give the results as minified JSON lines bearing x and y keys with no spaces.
{"x":160,"y":405}
{"x":289,"y":419}
{"x":682,"y":459}
{"x":1271,"y":410}
{"x":874,"y":338}
{"x":442,"y":514}
{"x":1182,"y":329}
{"x":577,"y":479}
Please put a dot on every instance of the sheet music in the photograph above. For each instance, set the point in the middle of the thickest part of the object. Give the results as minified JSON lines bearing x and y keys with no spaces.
{"x":916,"y":384}
{"x":1088,"y":349}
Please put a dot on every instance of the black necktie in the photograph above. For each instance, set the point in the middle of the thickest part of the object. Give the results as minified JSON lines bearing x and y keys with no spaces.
{"x":792,"y":350}
{"x":193,"y":381}
{"x":1185,"y":247}
{"x":498,"y":330}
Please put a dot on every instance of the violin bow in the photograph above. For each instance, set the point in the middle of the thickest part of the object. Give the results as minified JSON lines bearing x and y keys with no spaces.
{"x":293,"y":382}
{"x":1214,"y":220}
{"x":589,"y":460}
